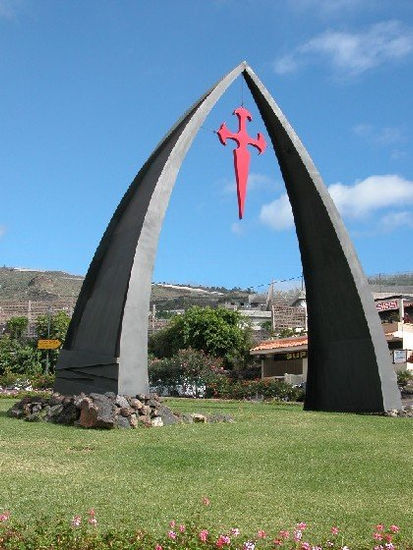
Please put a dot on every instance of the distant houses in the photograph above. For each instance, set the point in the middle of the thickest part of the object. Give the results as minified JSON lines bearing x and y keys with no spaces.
{"x":286,"y":358}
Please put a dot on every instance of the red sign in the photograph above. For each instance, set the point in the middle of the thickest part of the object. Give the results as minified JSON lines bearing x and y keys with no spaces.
{"x":386,"y":306}
{"x":241,"y":153}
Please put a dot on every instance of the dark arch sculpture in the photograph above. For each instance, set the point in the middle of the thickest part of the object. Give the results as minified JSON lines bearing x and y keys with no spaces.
{"x":106,"y":347}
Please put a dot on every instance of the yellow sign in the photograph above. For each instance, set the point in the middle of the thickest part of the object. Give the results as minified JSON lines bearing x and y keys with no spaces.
{"x":48,"y":344}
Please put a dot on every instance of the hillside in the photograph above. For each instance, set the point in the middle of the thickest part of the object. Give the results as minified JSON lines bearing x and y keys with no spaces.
{"x":388,"y":280}
{"x":19,"y":284}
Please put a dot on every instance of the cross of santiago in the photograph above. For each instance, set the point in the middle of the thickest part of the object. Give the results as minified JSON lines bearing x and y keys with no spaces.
{"x":241,"y":154}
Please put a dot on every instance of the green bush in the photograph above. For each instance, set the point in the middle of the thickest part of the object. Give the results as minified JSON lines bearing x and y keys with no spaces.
{"x":43,"y":381}
{"x":218,"y":332}
{"x":16,"y":327}
{"x":9,"y":378}
{"x":189,"y":368}
{"x":224,"y":387}
{"x":20,"y":357}
{"x":404,"y":378}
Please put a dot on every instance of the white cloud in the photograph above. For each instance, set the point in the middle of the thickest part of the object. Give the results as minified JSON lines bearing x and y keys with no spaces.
{"x":352,"y":53}
{"x":353,"y":201}
{"x":373,"y":193}
{"x":278,"y":214}
{"x":237,"y":228}
{"x":286,"y":64}
{"x":394,"y":220}
{"x":258,"y":181}
{"x":388,"y":135}
{"x":2,"y":230}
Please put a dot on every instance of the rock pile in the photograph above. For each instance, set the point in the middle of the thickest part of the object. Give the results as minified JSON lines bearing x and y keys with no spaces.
{"x":404,"y":411}
{"x":106,"y":411}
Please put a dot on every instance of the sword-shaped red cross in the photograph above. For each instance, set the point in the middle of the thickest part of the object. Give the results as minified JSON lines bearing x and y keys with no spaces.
{"x":241,"y":154}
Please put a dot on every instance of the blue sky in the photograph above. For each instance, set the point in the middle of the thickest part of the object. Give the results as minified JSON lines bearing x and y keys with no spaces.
{"x":88,"y":88}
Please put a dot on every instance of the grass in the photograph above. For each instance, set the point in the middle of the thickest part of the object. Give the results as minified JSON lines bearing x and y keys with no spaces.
{"x":275,"y":466}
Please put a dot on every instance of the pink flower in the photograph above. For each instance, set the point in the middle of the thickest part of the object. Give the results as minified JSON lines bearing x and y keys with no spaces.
{"x":335,"y":530}
{"x":76,"y":521}
{"x":206,"y":501}
{"x":306,"y":546}
{"x":261,"y":534}
{"x":4,"y":516}
{"x":203,"y":535}
{"x":158,"y":547}
{"x":380,"y":527}
{"x":388,"y":537}
{"x":284,"y":534}
{"x":378,"y":536}
{"x":222,"y":540}
{"x":380,"y":547}
{"x":235,"y":531}
{"x":182,"y":528}
{"x":302,"y":526}
{"x":172,"y":535}
{"x":172,"y":523}
{"x":298,"y":535}
{"x":394,"y":528}
{"x":277,"y":542}
{"x":92,"y":520}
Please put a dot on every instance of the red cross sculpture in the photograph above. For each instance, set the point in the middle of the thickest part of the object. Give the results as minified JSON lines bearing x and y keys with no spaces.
{"x":241,"y":153}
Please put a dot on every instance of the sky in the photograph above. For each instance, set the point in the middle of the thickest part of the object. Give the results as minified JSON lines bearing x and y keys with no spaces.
{"x":89,"y":87}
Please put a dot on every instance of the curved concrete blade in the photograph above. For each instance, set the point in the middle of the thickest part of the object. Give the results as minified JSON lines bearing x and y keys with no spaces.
{"x":349,"y":365}
{"x":109,"y":329}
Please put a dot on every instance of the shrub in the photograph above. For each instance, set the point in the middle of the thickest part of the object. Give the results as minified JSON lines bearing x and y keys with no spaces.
{"x":43,"y":381}
{"x":186,"y":372}
{"x":218,"y":332}
{"x":16,"y":326}
{"x":224,"y":387}
{"x":20,"y":357}
{"x":403,"y":378}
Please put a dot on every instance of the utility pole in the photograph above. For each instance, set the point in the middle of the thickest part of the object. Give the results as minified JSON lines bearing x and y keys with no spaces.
{"x":153,"y":316}
{"x":48,"y":337}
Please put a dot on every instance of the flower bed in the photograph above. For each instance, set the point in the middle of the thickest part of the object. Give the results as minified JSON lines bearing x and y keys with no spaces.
{"x":85,"y":533}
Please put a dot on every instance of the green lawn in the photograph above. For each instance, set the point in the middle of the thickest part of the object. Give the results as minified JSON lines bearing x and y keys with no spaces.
{"x":276,"y":465}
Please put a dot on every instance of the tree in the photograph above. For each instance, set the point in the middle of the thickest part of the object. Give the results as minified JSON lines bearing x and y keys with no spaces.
{"x":218,"y":332}
{"x":52,"y":327}
{"x":19,"y":357}
{"x":16,"y":326}
{"x":59,"y":323}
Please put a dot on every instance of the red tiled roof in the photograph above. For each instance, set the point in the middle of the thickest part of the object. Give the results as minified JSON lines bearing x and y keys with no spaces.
{"x":280,"y":343}
{"x":297,"y":341}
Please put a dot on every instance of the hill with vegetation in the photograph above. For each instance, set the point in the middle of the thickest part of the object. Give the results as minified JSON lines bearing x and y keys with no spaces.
{"x":395,"y":279}
{"x":20,"y":284}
